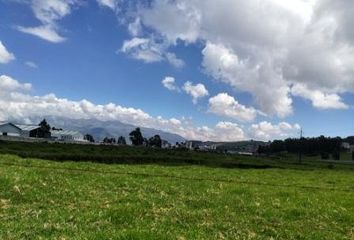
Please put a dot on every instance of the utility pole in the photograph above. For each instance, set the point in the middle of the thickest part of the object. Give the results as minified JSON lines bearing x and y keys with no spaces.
{"x":300,"y":149}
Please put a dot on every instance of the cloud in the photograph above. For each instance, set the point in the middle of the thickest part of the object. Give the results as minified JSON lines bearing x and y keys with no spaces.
{"x":31,"y":64}
{"x":16,"y":103}
{"x":135,"y":27}
{"x":196,"y":91}
{"x":149,"y":51}
{"x":142,"y":49}
{"x":173,"y":21}
{"x":169,"y":83}
{"x":267,"y":131}
{"x":222,"y":131}
{"x":226,"y":106}
{"x":268,"y":87}
{"x":173,"y":60}
{"x":112,"y":4}
{"x":45,"y":32}
{"x":5,"y":55}
{"x":48,"y":13}
{"x":8,"y":84}
{"x":271,"y":46}
{"x":319,"y":99}
{"x":228,"y":131}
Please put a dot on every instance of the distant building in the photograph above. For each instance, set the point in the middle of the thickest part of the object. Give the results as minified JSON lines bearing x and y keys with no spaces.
{"x":67,"y":136}
{"x":30,"y":130}
{"x":18,"y":130}
{"x":35,"y":131}
{"x":192,"y":145}
{"x":201,"y":146}
{"x":9,"y":129}
{"x":345,"y":145}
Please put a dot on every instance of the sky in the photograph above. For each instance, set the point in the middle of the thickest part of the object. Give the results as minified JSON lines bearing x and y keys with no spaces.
{"x":225,"y":70}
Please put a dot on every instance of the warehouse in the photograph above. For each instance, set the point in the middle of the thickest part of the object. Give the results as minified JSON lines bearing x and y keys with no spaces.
{"x":67,"y":136}
{"x":19,"y":130}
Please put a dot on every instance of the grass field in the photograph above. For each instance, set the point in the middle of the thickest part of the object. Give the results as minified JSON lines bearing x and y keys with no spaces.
{"x":42,"y":199}
{"x":165,"y":157}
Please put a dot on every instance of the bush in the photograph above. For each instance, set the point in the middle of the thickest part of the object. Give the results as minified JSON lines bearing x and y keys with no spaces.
{"x":353,"y":155}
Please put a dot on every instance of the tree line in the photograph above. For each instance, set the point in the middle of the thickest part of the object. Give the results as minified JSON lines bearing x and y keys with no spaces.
{"x":136,"y":138}
{"x":324,"y":146}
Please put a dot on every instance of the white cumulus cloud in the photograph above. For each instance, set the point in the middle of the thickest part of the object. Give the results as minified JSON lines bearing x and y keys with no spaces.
{"x":227,"y":106}
{"x":195,"y":91}
{"x":169,"y":83}
{"x":318,"y":98}
{"x":267,"y":131}
{"x":265,"y":47}
{"x":8,"y":84}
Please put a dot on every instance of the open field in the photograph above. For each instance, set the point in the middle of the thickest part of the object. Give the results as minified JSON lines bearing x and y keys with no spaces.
{"x":83,"y":200}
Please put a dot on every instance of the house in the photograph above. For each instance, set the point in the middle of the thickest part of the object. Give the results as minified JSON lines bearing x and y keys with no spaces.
{"x":67,"y":135}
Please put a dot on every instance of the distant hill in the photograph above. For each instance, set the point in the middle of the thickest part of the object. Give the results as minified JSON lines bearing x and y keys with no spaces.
{"x":101,"y":129}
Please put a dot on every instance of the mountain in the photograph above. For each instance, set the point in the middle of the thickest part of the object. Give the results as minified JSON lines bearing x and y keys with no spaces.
{"x":101,"y":129}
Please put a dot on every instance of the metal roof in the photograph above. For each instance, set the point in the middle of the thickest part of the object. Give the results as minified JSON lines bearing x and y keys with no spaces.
{"x":27,"y":127}
{"x":3,"y":123}
{"x":64,"y":132}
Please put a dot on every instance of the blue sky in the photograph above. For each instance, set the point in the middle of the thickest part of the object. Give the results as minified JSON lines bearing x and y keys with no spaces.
{"x":260,"y":82}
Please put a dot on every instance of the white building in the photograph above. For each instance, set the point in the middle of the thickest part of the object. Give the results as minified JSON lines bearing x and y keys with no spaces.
{"x":9,"y":129}
{"x":27,"y":131}
{"x":18,"y":130}
{"x":67,"y":136}
{"x":345,"y":145}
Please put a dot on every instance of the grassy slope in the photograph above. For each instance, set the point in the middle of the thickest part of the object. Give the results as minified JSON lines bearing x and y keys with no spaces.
{"x":52,"y":200}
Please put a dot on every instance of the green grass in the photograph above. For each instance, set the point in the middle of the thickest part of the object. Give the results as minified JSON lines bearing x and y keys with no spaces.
{"x":42,"y":199}
{"x":142,"y":155}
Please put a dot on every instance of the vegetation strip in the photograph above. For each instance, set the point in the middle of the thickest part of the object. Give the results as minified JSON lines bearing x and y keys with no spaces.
{"x":182,"y":178}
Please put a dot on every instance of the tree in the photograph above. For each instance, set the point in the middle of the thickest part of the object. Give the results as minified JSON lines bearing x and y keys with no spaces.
{"x":44,"y":130}
{"x":155,"y":141}
{"x":121,"y":141}
{"x":89,"y":138}
{"x":44,"y":125}
{"x":109,"y":140}
{"x":136,"y":137}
